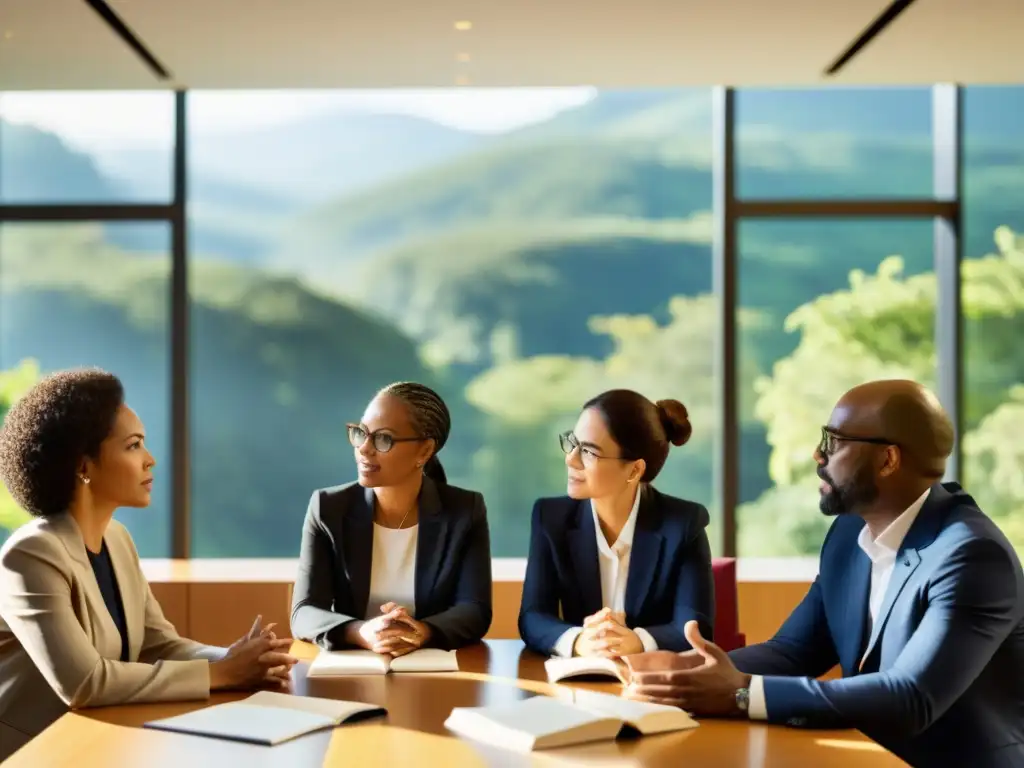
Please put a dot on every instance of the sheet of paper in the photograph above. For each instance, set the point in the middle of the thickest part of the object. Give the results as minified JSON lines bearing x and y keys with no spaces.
{"x":337,"y":710}
{"x":244,"y":722}
{"x":426,"y":660}
{"x":329,"y":663}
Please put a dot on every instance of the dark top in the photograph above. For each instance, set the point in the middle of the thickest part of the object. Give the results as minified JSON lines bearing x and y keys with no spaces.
{"x":669,"y":582}
{"x":453,"y":565}
{"x":104,"y":570}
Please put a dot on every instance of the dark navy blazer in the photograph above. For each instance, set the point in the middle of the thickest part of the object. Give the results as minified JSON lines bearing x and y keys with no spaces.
{"x":943,"y":678}
{"x":453,"y":564}
{"x":669,"y":580}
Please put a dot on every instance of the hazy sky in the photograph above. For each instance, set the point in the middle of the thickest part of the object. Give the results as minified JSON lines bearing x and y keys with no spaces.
{"x":102,"y":119}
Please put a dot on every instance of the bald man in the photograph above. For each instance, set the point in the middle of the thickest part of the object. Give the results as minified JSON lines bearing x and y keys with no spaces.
{"x":919,"y":598}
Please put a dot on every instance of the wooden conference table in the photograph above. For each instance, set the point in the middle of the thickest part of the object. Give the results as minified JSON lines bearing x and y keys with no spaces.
{"x":413,"y":733}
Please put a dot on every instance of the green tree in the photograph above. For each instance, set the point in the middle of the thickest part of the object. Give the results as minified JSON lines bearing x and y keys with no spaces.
{"x":13,"y":384}
{"x":882,"y":326}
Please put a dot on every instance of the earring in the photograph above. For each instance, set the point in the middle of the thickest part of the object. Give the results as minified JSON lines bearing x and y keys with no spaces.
{"x":84,"y":479}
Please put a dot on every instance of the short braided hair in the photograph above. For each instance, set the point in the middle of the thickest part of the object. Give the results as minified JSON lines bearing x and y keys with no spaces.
{"x":430,"y":418}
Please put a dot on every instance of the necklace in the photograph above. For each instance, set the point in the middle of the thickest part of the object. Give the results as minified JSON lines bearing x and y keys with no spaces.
{"x":401,"y":524}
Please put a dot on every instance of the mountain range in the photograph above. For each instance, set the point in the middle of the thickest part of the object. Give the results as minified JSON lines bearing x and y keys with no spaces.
{"x":338,"y":253}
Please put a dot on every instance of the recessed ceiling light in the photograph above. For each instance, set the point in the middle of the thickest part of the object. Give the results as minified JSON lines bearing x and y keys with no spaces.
{"x":463,"y":57}
{"x":463,"y":26}
{"x":462,"y":80}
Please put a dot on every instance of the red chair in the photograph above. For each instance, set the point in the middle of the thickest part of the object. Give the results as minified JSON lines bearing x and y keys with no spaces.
{"x":727,"y":618}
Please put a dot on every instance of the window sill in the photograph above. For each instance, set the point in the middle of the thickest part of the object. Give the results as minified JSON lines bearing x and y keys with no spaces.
{"x":504,"y":569}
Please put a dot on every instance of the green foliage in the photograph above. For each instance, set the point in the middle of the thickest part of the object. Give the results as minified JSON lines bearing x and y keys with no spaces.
{"x":13,"y":384}
{"x":277,"y":372}
{"x":882,"y":327}
{"x":453,"y":292}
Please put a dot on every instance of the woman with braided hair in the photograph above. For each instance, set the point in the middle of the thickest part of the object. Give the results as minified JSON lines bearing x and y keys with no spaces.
{"x":400,"y":559}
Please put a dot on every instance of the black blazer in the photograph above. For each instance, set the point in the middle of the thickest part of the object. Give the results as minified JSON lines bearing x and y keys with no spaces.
{"x":669,"y":580}
{"x":453,"y":564}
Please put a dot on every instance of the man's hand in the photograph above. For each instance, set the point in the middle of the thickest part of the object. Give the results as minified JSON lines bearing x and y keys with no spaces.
{"x":703,"y":681}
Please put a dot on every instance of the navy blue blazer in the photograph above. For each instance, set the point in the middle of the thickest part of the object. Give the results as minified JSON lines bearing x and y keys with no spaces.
{"x":669,"y":580}
{"x":453,"y":565}
{"x":943,"y":680}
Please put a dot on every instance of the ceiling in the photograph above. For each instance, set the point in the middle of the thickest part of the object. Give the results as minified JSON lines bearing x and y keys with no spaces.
{"x":66,"y":44}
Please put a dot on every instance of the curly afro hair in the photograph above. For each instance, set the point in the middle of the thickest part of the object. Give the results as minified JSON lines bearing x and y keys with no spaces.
{"x":61,"y":420}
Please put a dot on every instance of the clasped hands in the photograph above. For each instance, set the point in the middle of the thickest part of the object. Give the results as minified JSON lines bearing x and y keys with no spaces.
{"x":394,"y":632}
{"x":606,"y":635}
{"x":702,"y":681}
{"x":255,"y":660}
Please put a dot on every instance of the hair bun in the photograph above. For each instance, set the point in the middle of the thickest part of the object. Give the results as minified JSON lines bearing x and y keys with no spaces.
{"x":675,"y":420}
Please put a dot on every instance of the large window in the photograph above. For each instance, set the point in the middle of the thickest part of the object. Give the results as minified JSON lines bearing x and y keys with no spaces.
{"x":836,"y":143}
{"x":834,"y":304}
{"x":519,"y":250}
{"x":992,"y":281}
{"x":92,"y":295}
{"x":86,"y":147}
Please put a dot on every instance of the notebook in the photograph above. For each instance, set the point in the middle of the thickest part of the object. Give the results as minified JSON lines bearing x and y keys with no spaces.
{"x":585,"y":667}
{"x":341,"y":663}
{"x":267,"y":718}
{"x":568,"y":719}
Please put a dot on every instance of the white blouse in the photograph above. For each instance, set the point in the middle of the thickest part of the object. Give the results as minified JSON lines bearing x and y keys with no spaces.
{"x":393,"y":569}
{"x":613,"y":561}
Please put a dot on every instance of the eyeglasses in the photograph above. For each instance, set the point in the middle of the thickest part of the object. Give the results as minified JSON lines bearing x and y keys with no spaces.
{"x":570,"y":443}
{"x":382,"y":441}
{"x":827,"y":446}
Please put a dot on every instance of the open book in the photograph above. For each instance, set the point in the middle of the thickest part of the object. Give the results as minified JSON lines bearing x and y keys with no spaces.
{"x":572,"y":717}
{"x":267,"y":718}
{"x":582,"y":667}
{"x":340,"y":663}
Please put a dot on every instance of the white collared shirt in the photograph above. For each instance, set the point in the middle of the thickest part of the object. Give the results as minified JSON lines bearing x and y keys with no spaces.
{"x":613,"y":561}
{"x":882,"y":552}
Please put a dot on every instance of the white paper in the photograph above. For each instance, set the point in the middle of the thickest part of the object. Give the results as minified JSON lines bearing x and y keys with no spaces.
{"x":244,"y":722}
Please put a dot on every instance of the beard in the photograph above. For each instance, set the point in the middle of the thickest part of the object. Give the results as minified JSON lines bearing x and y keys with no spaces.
{"x":849,"y":497}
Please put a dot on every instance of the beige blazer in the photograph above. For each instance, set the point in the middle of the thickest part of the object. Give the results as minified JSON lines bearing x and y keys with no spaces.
{"x":59,"y":647}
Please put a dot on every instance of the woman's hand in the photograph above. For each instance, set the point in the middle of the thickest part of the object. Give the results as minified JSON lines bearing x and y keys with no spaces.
{"x":253,"y":664}
{"x":369,"y":634}
{"x":257,"y":630}
{"x":605,"y":634}
{"x":405,"y":635}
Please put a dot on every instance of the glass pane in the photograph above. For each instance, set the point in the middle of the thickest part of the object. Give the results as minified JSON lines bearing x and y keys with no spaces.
{"x":520,"y":250}
{"x":93,"y":295}
{"x":92,"y":147}
{"x":825,"y":305}
{"x":836,"y":143}
{"x":992,"y":281}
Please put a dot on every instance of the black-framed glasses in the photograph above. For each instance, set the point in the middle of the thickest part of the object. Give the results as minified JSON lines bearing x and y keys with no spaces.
{"x":829,"y":439}
{"x":570,"y":443}
{"x":382,"y":441}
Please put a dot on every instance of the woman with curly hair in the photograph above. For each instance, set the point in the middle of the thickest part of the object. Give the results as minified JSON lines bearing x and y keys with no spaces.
{"x":79,"y":626}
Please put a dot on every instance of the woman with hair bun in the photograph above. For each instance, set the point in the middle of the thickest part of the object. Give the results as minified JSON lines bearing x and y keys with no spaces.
{"x":617,"y":567}
{"x":399,"y":560}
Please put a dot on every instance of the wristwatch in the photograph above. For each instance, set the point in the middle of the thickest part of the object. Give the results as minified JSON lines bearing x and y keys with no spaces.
{"x":743,"y":699}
